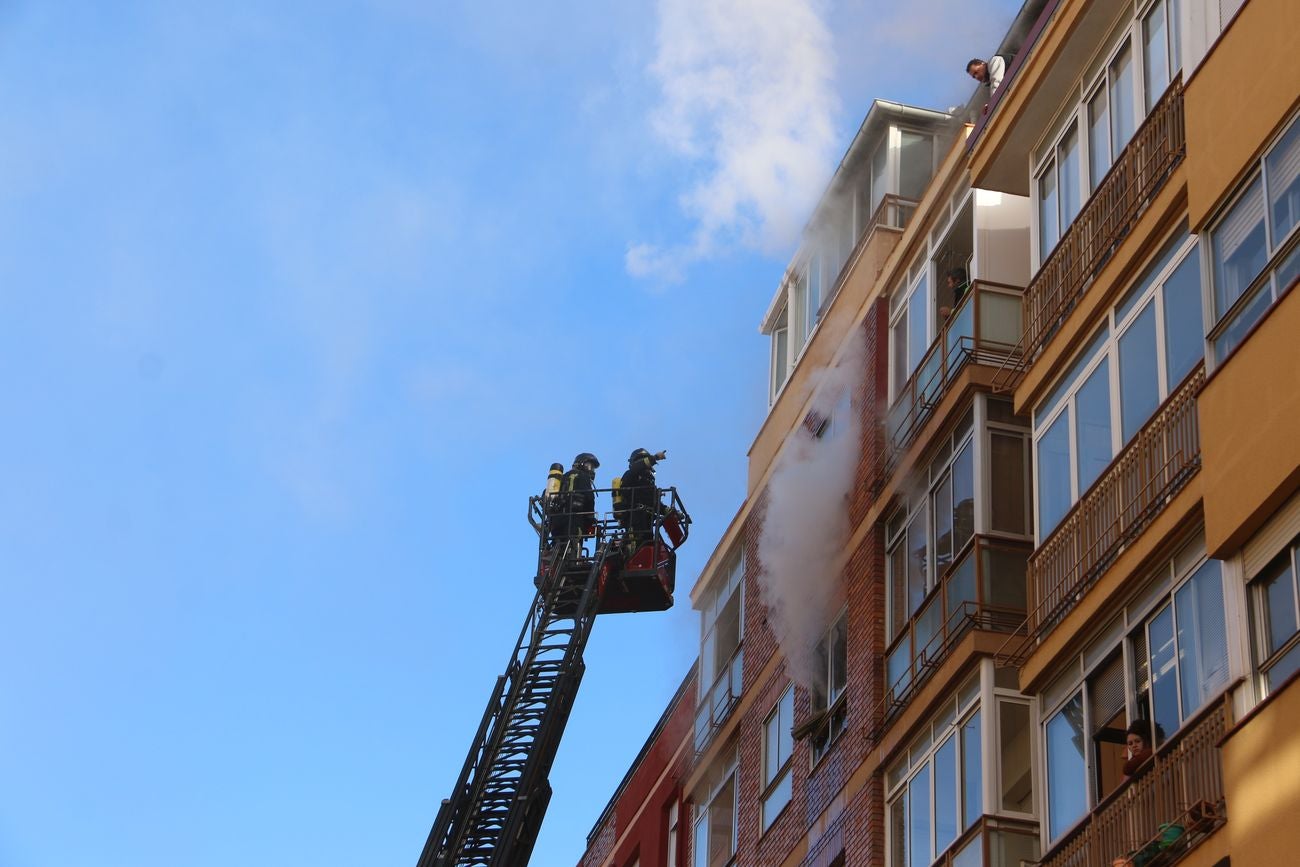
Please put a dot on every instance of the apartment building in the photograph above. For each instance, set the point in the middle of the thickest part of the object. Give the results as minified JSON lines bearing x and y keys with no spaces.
{"x":1072,"y":504}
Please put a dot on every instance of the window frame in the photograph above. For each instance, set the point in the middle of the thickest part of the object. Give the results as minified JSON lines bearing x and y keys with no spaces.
{"x":700,"y":842}
{"x":1126,"y":33}
{"x":830,"y":705}
{"x":1263,"y":661}
{"x":1104,"y":346}
{"x":1277,"y":251}
{"x":778,"y":779}
{"x":1122,"y":636}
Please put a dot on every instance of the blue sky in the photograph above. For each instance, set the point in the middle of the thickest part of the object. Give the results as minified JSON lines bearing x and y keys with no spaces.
{"x":297,"y":304}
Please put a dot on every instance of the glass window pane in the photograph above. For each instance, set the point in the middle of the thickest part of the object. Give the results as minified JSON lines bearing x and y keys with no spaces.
{"x":1067,"y":790}
{"x":917,"y":565}
{"x":1007,"y":497}
{"x":1139,"y":379}
{"x":1123,"y":121}
{"x":898,"y":612}
{"x":972,"y":854}
{"x":898,"y":360}
{"x":1202,"y":637}
{"x":1092,"y":405}
{"x":1283,"y":667}
{"x":1017,"y":787}
{"x":1238,"y":248}
{"x":879,"y":175}
{"x":1049,"y":225}
{"x":972,"y":797}
{"x":813,"y":313}
{"x":1155,"y":54}
{"x":1068,"y":166}
{"x":776,"y":800}
{"x":963,"y":497}
{"x":918,"y":826}
{"x":1184,"y":345}
{"x":916,"y":164}
{"x":1283,"y":168}
{"x":1175,"y":37}
{"x":943,"y":547}
{"x":1098,"y":138}
{"x":898,"y":830}
{"x":1053,"y":473}
{"x":1277,"y":596}
{"x":1242,"y":321}
{"x":945,"y":794}
{"x":898,"y":668}
{"x":701,"y":840}
{"x":918,"y":324}
{"x":1164,"y":685}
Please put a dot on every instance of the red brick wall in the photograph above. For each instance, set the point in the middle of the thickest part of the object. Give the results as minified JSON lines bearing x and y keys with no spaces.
{"x":646,"y":834}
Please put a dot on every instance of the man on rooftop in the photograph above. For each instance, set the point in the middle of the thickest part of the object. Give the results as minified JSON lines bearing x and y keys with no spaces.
{"x":988,"y":72}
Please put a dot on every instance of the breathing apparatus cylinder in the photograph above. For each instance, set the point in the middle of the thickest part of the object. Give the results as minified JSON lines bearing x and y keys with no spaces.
{"x":553,"y":480}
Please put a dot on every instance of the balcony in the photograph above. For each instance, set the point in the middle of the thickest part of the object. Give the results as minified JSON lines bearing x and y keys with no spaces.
{"x":1132,"y":182}
{"x":717,"y":704}
{"x":983,"y":589}
{"x":1123,"y":502}
{"x":983,"y":329}
{"x":1182,"y":787}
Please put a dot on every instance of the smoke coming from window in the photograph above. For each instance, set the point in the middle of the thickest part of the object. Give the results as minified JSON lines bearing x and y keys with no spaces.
{"x":748,"y":100}
{"x":806,"y":523}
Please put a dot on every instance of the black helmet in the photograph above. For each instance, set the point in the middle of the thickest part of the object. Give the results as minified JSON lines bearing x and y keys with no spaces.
{"x":586,"y":458}
{"x":639,"y":454}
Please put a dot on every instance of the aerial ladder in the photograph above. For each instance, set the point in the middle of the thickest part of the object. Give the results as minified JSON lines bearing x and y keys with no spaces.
{"x":495,"y":811}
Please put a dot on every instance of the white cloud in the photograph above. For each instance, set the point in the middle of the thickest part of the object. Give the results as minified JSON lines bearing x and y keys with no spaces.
{"x":748,"y":99}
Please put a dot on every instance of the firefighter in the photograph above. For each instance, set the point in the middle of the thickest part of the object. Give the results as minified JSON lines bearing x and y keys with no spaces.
{"x":640,"y":496}
{"x":576,"y":504}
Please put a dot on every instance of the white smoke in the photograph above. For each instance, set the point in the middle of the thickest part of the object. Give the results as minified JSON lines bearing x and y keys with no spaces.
{"x":806,"y":524}
{"x":748,"y":96}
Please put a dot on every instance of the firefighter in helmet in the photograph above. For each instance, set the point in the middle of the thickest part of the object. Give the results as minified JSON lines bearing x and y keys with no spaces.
{"x":576,"y":503}
{"x":640,"y":496}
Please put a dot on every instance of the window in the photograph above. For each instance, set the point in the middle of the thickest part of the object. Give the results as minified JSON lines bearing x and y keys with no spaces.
{"x":1112,"y":103}
{"x":916,"y":163}
{"x":1148,"y":344}
{"x":715,"y":822}
{"x":721,"y":658}
{"x":913,"y":564}
{"x":780,"y":355}
{"x":935,"y":789}
{"x":829,"y":706}
{"x":1276,"y":620}
{"x":778,"y":744}
{"x":909,"y":330}
{"x":813,"y":297}
{"x":1254,"y":256}
{"x":673,"y":840}
{"x":1162,"y":658}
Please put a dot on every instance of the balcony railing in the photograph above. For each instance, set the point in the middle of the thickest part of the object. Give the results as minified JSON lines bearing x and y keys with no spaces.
{"x":718,"y":703}
{"x":1133,"y":490}
{"x":1132,"y":182}
{"x":983,"y":589}
{"x":1183,"y":787}
{"x":983,"y":329}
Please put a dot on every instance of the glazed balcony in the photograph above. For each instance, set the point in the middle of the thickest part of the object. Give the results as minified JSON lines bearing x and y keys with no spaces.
{"x":982,"y":329}
{"x":984,"y":588}
{"x":1132,"y":182}
{"x":1182,"y":787}
{"x":716,"y":705}
{"x":1123,"y":502}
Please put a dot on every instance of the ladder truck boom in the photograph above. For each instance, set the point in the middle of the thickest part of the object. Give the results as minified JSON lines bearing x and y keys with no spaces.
{"x":496,"y":808}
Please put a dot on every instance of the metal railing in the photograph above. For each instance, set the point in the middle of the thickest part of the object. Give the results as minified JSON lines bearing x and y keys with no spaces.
{"x":982,"y":329}
{"x":718,"y":702}
{"x":984,"y":588}
{"x":1137,"y":175}
{"x":1128,"y":496}
{"x":1183,"y":785}
{"x":893,"y":211}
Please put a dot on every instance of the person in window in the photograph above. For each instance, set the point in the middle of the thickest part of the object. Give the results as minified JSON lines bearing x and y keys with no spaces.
{"x":640,"y":495}
{"x":1138,"y":742}
{"x":576,"y":504}
{"x":958,"y":284}
{"x":988,"y":73}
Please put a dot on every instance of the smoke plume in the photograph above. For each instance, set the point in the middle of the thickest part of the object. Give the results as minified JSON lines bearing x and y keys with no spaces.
{"x":806,"y":524}
{"x":748,"y":98}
